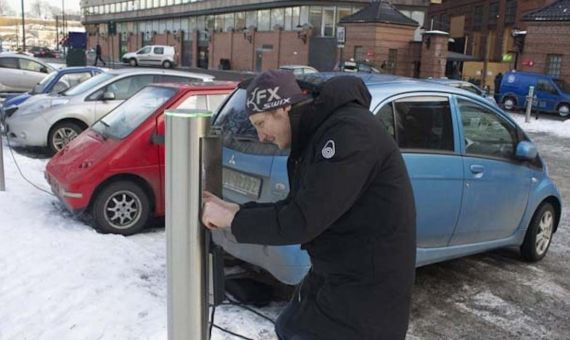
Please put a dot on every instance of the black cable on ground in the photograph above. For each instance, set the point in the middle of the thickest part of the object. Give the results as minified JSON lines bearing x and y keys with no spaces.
{"x":236,"y":303}
{"x":20,"y":171}
{"x":232,"y":333}
{"x":211,"y":321}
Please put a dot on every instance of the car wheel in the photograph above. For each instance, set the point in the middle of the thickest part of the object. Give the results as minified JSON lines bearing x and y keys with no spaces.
{"x":121,"y":208}
{"x":61,"y":134}
{"x":166,"y":64}
{"x":539,"y":233}
{"x":563,"y":110}
{"x":133,"y":62}
{"x":509,"y":103}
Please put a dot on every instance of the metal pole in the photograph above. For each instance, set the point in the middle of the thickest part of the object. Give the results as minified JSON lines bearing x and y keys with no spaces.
{"x":23,"y":29}
{"x":2,"y":179}
{"x":187,"y":306}
{"x":529,"y":101}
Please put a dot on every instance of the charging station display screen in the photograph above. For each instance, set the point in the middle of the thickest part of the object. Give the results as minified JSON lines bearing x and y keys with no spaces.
{"x":242,"y":183}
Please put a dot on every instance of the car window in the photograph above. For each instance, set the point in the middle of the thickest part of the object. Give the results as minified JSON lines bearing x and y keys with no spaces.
{"x":209,"y":102}
{"x":70,"y":80}
{"x":120,"y":122}
{"x":237,"y":131}
{"x":545,"y":86}
{"x":485,"y":133}
{"x":30,"y":65}
{"x":145,"y":50}
{"x":89,"y":84}
{"x":8,"y":63}
{"x":126,"y":87}
{"x":176,"y":79}
{"x":386,"y":116}
{"x":424,"y":123}
{"x":159,"y":50}
{"x":41,"y":86}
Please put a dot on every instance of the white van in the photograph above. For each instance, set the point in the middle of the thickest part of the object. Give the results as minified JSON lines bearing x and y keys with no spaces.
{"x":153,"y":55}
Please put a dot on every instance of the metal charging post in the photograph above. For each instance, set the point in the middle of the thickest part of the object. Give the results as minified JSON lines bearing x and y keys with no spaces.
{"x":187,"y":253}
{"x":529,"y":100}
{"x":2,"y":178}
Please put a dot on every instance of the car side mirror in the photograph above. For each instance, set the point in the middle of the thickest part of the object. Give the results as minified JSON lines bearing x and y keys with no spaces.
{"x":157,"y":139}
{"x":526,"y":151}
{"x":108,"y":96}
{"x":44,"y":69}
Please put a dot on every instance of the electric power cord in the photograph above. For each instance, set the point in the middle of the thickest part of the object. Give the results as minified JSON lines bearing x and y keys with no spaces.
{"x":20,"y":170}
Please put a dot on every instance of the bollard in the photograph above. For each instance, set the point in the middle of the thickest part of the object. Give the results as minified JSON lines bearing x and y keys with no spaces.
{"x":2,"y":178}
{"x":187,"y":261}
{"x":529,"y":100}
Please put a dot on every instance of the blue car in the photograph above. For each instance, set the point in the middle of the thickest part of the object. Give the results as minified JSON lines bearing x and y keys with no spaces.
{"x":55,"y":82}
{"x":478,"y":181}
{"x":552,"y":94}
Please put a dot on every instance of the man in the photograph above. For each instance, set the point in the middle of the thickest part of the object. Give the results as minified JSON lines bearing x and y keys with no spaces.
{"x":498,"y":80}
{"x":98,"y":55}
{"x":350,"y":206}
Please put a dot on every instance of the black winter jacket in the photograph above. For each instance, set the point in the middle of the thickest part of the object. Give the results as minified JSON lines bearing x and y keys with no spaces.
{"x":350,"y":206}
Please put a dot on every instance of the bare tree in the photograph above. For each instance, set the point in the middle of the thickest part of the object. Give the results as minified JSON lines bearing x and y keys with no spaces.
{"x":36,"y":8}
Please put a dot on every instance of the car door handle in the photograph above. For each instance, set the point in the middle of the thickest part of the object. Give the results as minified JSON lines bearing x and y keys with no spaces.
{"x":477,"y":169}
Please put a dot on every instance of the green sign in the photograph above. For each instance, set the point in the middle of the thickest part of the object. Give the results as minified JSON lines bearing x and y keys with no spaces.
{"x":507,"y":57}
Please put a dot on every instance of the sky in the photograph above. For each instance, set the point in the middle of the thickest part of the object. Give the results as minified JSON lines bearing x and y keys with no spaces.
{"x":70,"y":5}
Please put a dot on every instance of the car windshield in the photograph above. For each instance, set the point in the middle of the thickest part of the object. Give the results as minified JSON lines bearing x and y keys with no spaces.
{"x":562,"y":85}
{"x":41,"y":86}
{"x":89,"y":84}
{"x":120,"y":122}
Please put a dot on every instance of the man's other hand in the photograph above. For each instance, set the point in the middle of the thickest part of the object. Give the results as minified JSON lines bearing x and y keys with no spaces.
{"x":217,"y":213}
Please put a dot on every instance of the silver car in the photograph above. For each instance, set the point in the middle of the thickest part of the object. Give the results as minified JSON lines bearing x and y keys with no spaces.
{"x":20,"y":73}
{"x":53,"y":120}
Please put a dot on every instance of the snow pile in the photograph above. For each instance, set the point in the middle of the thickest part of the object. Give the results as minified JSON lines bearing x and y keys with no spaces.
{"x":557,"y":127}
{"x":59,"y":279}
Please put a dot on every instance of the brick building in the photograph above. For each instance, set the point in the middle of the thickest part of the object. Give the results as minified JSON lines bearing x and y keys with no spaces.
{"x":547,"y":42}
{"x":253,"y":35}
{"x":483,"y":28}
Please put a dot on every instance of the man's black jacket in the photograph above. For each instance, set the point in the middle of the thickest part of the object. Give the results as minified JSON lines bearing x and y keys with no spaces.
{"x":351,"y":207}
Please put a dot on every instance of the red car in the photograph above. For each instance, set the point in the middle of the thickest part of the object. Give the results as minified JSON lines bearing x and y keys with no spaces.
{"x":114,"y":171}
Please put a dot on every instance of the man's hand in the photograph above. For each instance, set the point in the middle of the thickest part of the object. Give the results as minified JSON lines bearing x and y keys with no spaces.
{"x":217,"y":213}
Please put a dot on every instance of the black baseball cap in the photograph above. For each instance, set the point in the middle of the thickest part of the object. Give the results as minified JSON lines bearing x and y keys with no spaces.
{"x":272,"y":90}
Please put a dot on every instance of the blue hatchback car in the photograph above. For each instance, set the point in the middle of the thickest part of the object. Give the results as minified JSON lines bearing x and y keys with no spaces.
{"x":55,"y":82}
{"x":478,"y":181}
{"x":552,"y":94}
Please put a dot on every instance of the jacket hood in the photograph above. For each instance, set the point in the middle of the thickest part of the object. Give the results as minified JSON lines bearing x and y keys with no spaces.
{"x":328,"y":97}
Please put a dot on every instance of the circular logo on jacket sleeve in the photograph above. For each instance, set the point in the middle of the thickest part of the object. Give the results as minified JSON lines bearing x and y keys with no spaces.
{"x":328,"y":149}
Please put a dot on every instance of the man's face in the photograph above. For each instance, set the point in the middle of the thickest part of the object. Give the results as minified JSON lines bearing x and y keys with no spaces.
{"x":273,"y":127}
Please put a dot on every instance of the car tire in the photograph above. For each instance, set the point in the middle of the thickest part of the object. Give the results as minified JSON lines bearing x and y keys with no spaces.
{"x":133,"y":62}
{"x":166,"y":64}
{"x":539,"y":233}
{"x":61,"y":134}
{"x":564,"y":110}
{"x":509,"y":103}
{"x":122,"y":207}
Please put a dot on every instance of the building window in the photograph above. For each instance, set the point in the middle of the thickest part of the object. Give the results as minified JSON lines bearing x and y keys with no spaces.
{"x":277,"y":18}
{"x":392,"y":60}
{"x":358,"y":53}
{"x":304,"y":15}
{"x":229,"y":23}
{"x":477,"y":17}
{"x":493,"y":13}
{"x":511,"y":11}
{"x":553,"y":63}
{"x":251,"y":19}
{"x":328,"y":21}
{"x":263,"y":20}
{"x":316,"y":19}
{"x":295,"y":17}
{"x":240,"y":21}
{"x":343,"y":12}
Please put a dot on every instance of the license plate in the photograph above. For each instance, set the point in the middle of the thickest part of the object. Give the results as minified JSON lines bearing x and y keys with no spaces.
{"x":247,"y":185}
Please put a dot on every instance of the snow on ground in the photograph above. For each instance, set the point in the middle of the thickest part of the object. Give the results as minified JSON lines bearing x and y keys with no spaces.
{"x":543,"y":124}
{"x":59,"y":279}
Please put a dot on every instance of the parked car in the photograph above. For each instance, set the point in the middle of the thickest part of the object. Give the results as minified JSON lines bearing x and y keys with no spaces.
{"x":356,"y":66}
{"x":478,"y":181}
{"x":53,"y":120}
{"x":465,"y":85}
{"x":42,"y":52}
{"x":299,"y":69}
{"x":552,"y":94}
{"x":115,"y":164}
{"x":20,"y":73}
{"x":153,"y":55}
{"x":55,"y":82}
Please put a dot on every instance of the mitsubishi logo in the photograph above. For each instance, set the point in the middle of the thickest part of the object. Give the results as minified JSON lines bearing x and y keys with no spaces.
{"x":232,"y":160}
